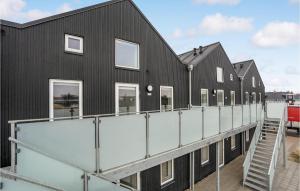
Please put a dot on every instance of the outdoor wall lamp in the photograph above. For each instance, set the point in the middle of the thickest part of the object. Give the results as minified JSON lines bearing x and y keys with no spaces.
{"x":149,"y":88}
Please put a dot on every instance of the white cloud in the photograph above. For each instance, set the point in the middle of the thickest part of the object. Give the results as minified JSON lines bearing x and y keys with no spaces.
{"x":294,"y":1}
{"x":14,"y":10}
{"x":277,"y":34}
{"x":216,"y":24}
{"x":213,"y":2}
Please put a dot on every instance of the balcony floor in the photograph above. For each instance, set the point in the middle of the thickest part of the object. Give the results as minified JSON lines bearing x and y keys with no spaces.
{"x":231,"y":174}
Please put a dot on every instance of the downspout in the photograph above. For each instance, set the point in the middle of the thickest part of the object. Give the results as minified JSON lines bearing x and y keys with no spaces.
{"x":190,"y":69}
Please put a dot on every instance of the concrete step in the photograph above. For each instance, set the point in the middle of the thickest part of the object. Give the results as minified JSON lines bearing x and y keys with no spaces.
{"x":258,"y":188}
{"x":260,"y":183}
{"x":258,"y":176}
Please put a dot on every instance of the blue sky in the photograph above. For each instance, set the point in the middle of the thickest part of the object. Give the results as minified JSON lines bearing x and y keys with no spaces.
{"x":267,"y":31}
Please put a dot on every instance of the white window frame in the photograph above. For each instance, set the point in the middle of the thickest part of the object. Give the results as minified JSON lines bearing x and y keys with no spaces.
{"x":254,"y":96}
{"x":80,"y":50}
{"x":138,"y":184}
{"x":247,"y":136}
{"x":247,"y":95}
{"x":223,"y":147}
{"x":51,"y":91}
{"x":223,"y":97}
{"x":124,"y":85}
{"x":207,"y":96}
{"x":138,"y":55}
{"x":253,"y":82}
{"x":207,"y":161}
{"x":232,"y":93}
{"x":221,"y":69}
{"x":233,"y":146}
{"x":166,"y":87}
{"x":172,"y":178}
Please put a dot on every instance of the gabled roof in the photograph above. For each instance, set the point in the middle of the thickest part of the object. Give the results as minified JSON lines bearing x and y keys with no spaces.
{"x":241,"y":68}
{"x":194,"y":57}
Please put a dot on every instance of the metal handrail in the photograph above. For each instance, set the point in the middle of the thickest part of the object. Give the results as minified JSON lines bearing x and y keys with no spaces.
{"x":5,"y":173}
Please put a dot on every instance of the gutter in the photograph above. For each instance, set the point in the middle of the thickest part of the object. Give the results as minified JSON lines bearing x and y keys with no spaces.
{"x":190,"y":69}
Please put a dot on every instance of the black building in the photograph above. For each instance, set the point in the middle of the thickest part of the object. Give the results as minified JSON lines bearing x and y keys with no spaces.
{"x":108,"y":58}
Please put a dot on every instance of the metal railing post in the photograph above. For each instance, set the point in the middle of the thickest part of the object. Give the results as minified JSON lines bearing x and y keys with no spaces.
{"x":13,"y":147}
{"x":203,"y":110}
{"x":217,"y":167}
{"x":147,"y":135}
{"x":220,"y":120}
{"x":97,"y":144}
{"x":85,"y":178}
{"x":180,"y":138}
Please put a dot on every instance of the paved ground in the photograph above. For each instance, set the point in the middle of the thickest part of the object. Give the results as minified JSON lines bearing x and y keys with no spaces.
{"x":231,"y":174}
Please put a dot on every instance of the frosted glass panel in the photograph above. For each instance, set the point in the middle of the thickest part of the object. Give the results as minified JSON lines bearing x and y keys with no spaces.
{"x":122,"y":140}
{"x":253,"y":113}
{"x":68,"y":140}
{"x":211,"y":121}
{"x":98,"y":184}
{"x":47,"y":170}
{"x":226,"y":118}
{"x":163,"y":132}
{"x":191,"y":125}
{"x":19,"y":185}
{"x":275,"y":109}
{"x":237,"y":116}
{"x":246,"y":114}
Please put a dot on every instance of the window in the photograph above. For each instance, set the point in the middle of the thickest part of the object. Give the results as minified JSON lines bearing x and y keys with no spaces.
{"x":166,"y":98}
{"x":232,"y":97}
{"x":220,"y":75}
{"x":258,"y":83}
{"x":204,"y":97}
{"x":126,"y":54}
{"x":253,"y":81}
{"x":132,"y":181}
{"x":259,"y":101}
{"x":127,"y":98}
{"x":166,"y":172}
{"x":231,"y":77}
{"x":73,"y":44}
{"x":65,"y":98}
{"x":246,"y":98}
{"x":233,"y":142}
{"x":254,"y":98}
{"x":247,"y":136}
{"x":220,"y":97}
{"x":221,"y":153}
{"x":204,"y":155}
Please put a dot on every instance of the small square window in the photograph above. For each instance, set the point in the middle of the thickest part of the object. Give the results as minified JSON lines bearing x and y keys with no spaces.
{"x":233,"y":145}
{"x":220,"y":75}
{"x":73,"y":44}
{"x":204,"y":155}
{"x":126,"y":54}
{"x":166,"y":172}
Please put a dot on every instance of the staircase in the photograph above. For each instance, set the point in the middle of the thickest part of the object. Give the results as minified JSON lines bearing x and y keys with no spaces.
{"x":257,"y":177}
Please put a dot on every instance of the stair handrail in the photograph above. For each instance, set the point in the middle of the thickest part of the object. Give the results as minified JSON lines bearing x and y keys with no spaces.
{"x":251,"y":150}
{"x":275,"y":152}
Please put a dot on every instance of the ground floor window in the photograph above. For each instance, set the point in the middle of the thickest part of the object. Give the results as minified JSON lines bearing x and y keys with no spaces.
{"x":65,"y":99}
{"x":127,"y":98}
{"x":132,"y":181}
{"x":204,"y":97}
{"x":204,"y":155}
{"x":233,"y":145}
{"x":167,"y":172}
{"x":221,"y":153}
{"x":247,"y":136}
{"x":220,"y":97}
{"x":166,"y":98}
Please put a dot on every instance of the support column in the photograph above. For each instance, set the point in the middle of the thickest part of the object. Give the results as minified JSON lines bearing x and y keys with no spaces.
{"x":217,"y":168}
{"x":192,"y":171}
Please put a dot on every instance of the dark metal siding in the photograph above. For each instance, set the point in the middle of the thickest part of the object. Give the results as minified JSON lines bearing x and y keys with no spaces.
{"x":33,"y":55}
{"x":232,"y":154}
{"x":205,"y":76}
{"x":251,"y":133}
{"x":151,"y":177}
{"x":247,"y":83}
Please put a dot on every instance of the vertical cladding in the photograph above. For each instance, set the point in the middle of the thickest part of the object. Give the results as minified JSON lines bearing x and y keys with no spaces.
{"x":33,"y":55}
{"x":232,"y":154}
{"x":208,"y":80}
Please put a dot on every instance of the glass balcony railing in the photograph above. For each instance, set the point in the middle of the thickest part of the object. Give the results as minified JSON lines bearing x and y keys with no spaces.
{"x":104,"y":142}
